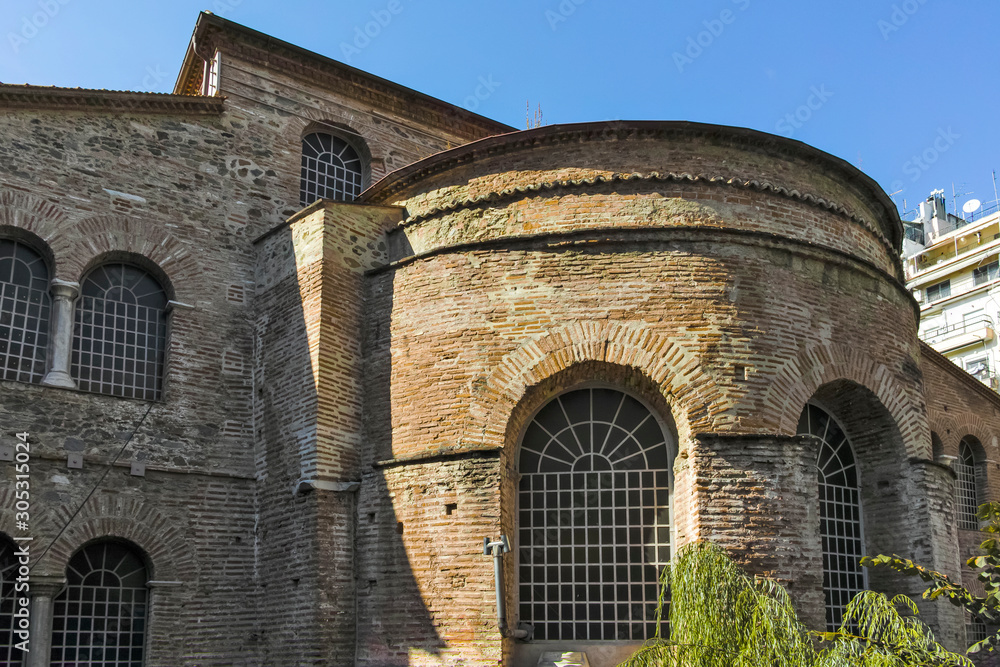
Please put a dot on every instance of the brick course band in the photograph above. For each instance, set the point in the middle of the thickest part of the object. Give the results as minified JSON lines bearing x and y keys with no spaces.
{"x":519,"y":192}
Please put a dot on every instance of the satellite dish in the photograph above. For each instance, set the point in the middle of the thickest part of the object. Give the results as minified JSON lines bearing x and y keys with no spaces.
{"x":971,"y":206}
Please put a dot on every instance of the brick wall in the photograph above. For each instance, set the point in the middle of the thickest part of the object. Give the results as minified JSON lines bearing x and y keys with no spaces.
{"x":347,"y":385}
{"x":263,"y":381}
{"x":726,"y":305}
{"x":958,"y":406}
{"x":127,"y":186}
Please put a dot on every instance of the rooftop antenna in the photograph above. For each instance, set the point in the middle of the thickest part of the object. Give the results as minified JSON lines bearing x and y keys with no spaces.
{"x":954,"y":197}
{"x":996,"y":199}
{"x":892,"y":196}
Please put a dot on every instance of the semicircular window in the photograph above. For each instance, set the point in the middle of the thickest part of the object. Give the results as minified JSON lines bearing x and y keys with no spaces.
{"x":24,"y":312}
{"x":120,"y":333}
{"x":594,"y":517}
{"x":331,"y":169}
{"x":99,"y":618}
{"x":10,"y":654}
{"x":839,"y":512}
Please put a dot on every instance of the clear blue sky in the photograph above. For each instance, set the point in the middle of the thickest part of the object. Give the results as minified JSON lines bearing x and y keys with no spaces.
{"x":905,"y":89}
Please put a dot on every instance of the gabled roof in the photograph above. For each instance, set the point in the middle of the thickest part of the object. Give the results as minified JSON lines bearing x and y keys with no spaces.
{"x":214,"y":32}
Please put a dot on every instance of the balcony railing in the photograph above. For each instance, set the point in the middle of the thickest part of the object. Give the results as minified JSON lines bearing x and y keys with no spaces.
{"x":958,"y":335}
{"x":984,"y":211}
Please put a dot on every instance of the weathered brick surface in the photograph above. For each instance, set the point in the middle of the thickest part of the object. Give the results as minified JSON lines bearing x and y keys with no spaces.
{"x":425,"y":589}
{"x":192,"y":514}
{"x":763,"y":508}
{"x":346,"y":385}
{"x":726,"y":318}
{"x":959,"y":406}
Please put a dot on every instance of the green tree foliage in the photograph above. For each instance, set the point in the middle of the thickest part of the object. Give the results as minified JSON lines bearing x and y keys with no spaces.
{"x":987,"y":566}
{"x":721,"y":617}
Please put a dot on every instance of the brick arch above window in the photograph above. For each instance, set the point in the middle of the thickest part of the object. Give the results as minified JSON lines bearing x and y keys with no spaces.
{"x":800,"y":377}
{"x":160,"y":539}
{"x":91,"y":241}
{"x":972,"y":425}
{"x":695,"y":400}
{"x":33,"y":220}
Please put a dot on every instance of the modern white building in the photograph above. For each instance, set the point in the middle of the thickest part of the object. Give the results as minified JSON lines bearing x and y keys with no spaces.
{"x":952,"y":267}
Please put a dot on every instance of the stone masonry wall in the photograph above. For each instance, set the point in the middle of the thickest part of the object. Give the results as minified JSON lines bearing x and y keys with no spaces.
{"x":134,"y":187}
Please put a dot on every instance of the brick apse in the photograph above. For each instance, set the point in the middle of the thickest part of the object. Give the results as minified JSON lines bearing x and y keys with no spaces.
{"x":601,"y":340}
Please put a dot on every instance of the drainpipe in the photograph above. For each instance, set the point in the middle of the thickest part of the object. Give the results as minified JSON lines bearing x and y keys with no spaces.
{"x":497,"y":550}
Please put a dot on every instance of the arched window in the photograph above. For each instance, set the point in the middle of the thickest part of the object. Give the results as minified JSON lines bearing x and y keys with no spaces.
{"x":121,"y":332}
{"x":331,"y":169}
{"x":594,"y":517}
{"x":965,"y":487}
{"x":100,"y":617}
{"x":24,"y":312}
{"x":9,"y":655}
{"x":839,"y":512}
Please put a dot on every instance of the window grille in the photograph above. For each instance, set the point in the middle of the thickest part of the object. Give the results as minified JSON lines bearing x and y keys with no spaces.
{"x":984,"y":274}
{"x":965,"y":487}
{"x":24,"y":313}
{"x":8,"y":571}
{"x":99,"y":619}
{"x":594,"y":518}
{"x":331,"y":169}
{"x":940,"y":291}
{"x":839,"y":513}
{"x":120,"y":334}
{"x":976,"y":631}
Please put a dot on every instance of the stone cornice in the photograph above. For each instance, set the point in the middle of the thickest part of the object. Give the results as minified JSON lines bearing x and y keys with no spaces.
{"x":513,"y":194}
{"x":213,"y":32}
{"x":13,"y":97}
{"x":739,"y":138}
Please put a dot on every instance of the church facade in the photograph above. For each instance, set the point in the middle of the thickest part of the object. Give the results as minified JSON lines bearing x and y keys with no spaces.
{"x":278,"y":351}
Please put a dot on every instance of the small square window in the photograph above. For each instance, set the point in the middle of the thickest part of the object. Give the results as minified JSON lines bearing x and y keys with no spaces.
{"x":941,"y":290}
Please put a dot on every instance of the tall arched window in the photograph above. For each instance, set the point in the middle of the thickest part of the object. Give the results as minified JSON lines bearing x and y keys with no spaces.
{"x":594,"y":517}
{"x":24,"y":312}
{"x":331,"y":169}
{"x":9,"y":655}
{"x":839,"y":512}
{"x":121,"y":332}
{"x":100,"y":617}
{"x":965,"y":487}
